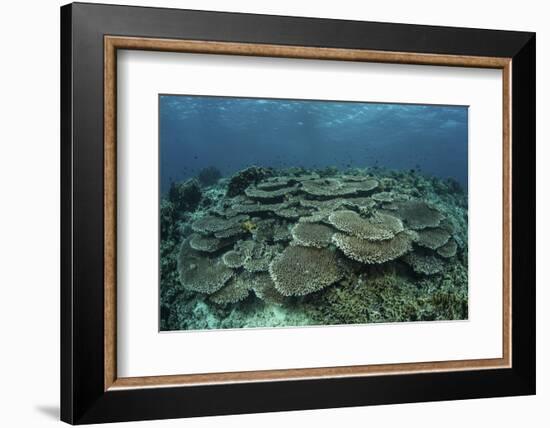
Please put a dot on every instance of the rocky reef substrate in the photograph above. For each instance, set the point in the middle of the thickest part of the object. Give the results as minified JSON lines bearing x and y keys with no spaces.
{"x":267,"y":248}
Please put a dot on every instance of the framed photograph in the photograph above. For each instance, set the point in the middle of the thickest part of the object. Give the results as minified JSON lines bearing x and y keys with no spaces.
{"x":266,"y":213}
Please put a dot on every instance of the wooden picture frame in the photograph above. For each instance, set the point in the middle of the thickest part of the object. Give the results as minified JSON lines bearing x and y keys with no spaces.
{"x":91,"y":390}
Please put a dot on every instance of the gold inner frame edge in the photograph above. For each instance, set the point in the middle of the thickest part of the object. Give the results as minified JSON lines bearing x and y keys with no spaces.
{"x":113,"y":43}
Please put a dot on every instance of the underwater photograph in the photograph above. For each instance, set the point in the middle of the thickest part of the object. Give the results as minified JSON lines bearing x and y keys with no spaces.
{"x":290,"y":212}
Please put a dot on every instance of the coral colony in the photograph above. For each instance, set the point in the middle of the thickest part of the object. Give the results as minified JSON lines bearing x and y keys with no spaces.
{"x":288,"y":247}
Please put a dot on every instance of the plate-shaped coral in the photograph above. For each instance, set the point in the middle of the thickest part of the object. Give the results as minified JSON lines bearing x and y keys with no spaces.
{"x":284,"y":239}
{"x":418,"y":214}
{"x":312,"y":234}
{"x":377,"y":227}
{"x":200,"y":273}
{"x":303,"y":270}
{"x":373,"y":252}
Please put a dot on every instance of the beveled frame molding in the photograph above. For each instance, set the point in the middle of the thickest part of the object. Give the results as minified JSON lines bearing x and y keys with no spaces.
{"x":89,"y":390}
{"x":114,"y":43}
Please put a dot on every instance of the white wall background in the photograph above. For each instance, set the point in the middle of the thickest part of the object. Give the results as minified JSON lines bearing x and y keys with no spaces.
{"x":29,"y":218}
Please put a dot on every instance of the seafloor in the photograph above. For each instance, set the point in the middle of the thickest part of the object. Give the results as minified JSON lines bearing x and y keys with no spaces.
{"x":295,"y":247}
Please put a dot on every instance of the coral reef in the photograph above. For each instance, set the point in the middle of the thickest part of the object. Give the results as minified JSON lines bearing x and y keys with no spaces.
{"x":312,"y":234}
{"x":209,"y":176}
{"x":209,"y":244}
{"x":200,"y":273}
{"x":237,"y":289}
{"x":433,"y":238}
{"x":233,"y":259}
{"x":418,"y":214}
{"x":376,"y":228}
{"x":265,"y":289}
{"x":424,"y":263}
{"x":241,"y":180}
{"x":371,"y":252}
{"x":303,"y":247}
{"x":302,"y":270}
{"x":185,"y":196}
{"x":388,"y":295}
{"x":448,"y":250}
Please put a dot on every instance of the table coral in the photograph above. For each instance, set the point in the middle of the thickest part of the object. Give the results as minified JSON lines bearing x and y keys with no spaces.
{"x":303,"y":270}
{"x":291,"y":238}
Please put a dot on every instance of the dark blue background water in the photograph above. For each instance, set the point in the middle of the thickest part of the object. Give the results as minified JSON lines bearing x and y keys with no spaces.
{"x":233,"y":133}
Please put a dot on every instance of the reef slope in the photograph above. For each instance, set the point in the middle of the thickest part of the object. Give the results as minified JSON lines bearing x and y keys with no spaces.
{"x":294,"y":247}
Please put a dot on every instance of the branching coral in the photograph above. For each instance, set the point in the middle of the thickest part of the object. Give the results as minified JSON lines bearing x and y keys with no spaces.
{"x":387,"y":297}
{"x":425,"y":264}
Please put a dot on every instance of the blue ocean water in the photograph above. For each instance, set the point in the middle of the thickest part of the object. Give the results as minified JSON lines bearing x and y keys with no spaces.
{"x":233,"y":133}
